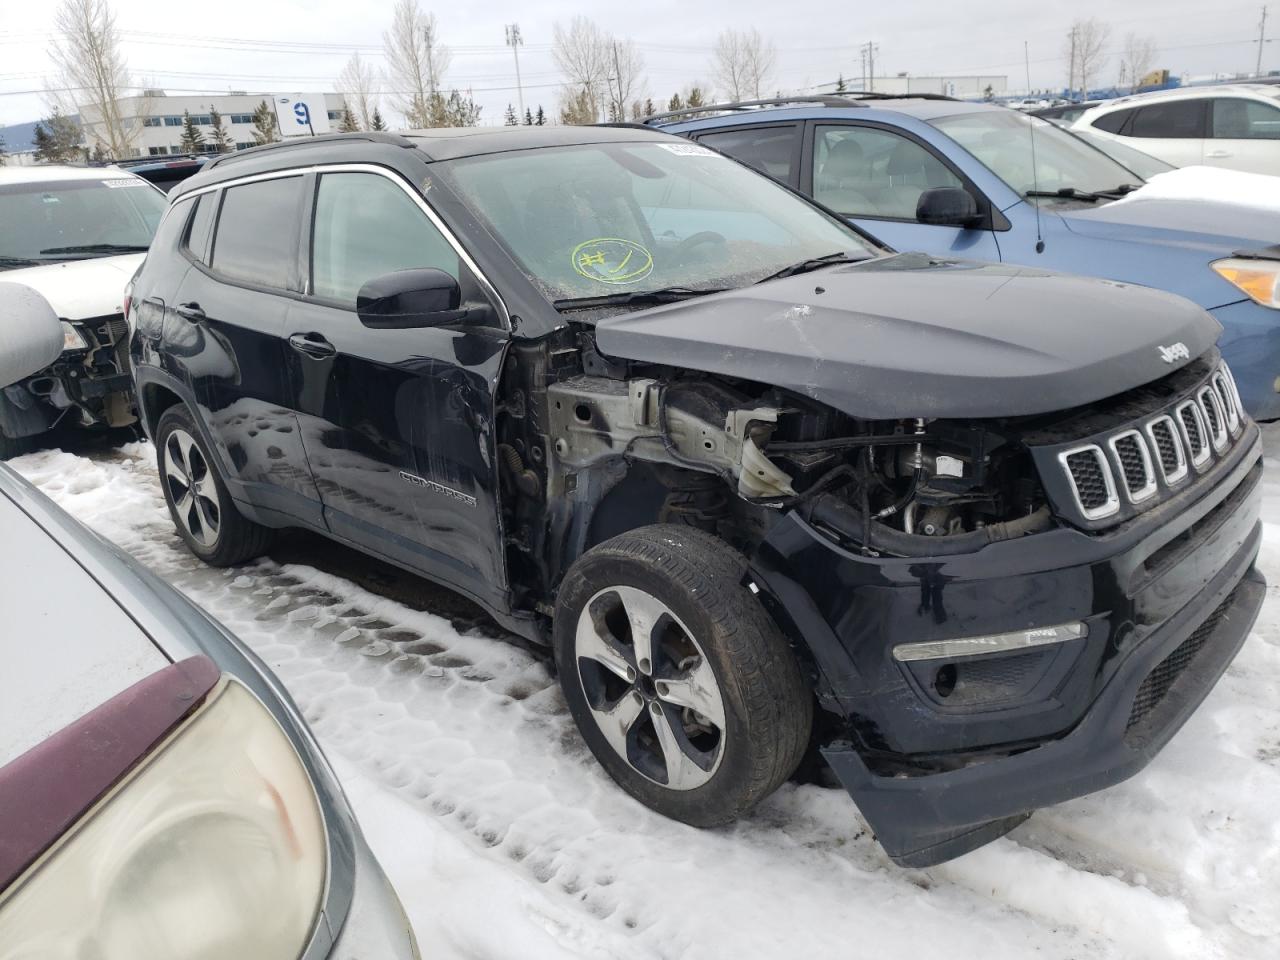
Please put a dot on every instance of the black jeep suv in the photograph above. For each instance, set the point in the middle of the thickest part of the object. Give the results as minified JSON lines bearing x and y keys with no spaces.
{"x":981,"y":535}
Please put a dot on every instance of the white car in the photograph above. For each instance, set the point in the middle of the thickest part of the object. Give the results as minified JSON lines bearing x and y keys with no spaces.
{"x":1235,"y":126}
{"x":76,"y":235}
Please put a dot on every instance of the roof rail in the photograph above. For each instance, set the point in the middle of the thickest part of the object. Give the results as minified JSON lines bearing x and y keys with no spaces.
{"x":373,"y":136}
{"x":850,"y":99}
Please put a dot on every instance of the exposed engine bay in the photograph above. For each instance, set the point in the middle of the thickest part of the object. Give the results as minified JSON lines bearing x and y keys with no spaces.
{"x":591,"y":447}
{"x":89,"y":385}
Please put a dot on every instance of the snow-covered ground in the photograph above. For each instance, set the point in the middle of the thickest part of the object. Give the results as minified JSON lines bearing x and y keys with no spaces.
{"x":504,"y":838}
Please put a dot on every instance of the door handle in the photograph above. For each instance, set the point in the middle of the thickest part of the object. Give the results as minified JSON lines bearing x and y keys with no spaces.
{"x":313,"y":345}
{"x":1218,"y":154}
{"x":191,"y":312}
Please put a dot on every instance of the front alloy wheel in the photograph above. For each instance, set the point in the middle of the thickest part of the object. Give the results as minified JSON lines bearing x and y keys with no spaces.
{"x":650,"y":688}
{"x":682,"y":685}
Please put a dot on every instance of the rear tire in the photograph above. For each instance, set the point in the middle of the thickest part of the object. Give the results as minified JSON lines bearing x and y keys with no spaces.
{"x":682,"y":685}
{"x":201,"y":507}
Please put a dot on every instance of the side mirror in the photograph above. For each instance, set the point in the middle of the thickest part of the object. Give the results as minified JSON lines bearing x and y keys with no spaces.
{"x":947,"y":207}
{"x":410,"y":298}
{"x":31,"y":335}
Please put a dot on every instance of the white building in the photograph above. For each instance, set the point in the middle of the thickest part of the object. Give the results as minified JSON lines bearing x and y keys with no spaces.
{"x":157,"y":118}
{"x":964,"y":87}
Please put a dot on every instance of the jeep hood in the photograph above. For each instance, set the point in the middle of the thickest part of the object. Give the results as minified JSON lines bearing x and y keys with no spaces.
{"x":909,"y":336}
{"x":80,"y":289}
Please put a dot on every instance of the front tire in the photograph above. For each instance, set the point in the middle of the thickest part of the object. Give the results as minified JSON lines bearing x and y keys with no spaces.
{"x":12,"y":447}
{"x":683,"y":687}
{"x":199,"y":504}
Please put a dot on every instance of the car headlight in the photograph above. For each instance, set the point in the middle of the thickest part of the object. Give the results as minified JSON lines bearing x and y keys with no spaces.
{"x":73,"y":339}
{"x":1258,"y":279}
{"x":214,"y":847}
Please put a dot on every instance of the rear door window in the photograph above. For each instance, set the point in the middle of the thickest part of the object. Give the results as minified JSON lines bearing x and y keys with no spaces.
{"x":868,"y":172}
{"x":1235,"y":118}
{"x":367,"y":226}
{"x":770,"y":150}
{"x":1175,"y":120}
{"x":256,"y":237}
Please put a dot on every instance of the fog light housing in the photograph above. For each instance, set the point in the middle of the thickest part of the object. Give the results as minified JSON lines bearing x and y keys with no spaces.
{"x":1010,"y":642}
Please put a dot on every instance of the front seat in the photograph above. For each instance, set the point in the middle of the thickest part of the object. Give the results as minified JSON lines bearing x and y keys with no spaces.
{"x":843,"y":183}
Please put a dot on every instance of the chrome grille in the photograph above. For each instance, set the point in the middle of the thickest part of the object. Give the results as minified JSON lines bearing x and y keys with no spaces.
{"x":1117,"y":473}
{"x":1091,"y":481}
{"x":1193,"y":432}
{"x":1136,"y":469}
{"x":1163,"y":433}
{"x":1214,"y":417}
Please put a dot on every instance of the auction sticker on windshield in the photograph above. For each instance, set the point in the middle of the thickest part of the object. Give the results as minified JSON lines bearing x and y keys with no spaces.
{"x":612,"y":260}
{"x":687,"y":150}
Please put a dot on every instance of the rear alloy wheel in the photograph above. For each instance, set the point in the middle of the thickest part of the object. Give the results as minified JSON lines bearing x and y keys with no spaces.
{"x":681,"y":684}
{"x":201,"y":508}
{"x":189,"y":487}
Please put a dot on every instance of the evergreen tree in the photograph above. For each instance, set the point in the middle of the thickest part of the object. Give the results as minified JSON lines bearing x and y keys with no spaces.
{"x":676,"y":102}
{"x":696,"y":98}
{"x":840,"y":85}
{"x":460,"y":111}
{"x":100,"y":154}
{"x":649,"y":109}
{"x":579,"y":109}
{"x":510,"y":119}
{"x":57,"y":139}
{"x":377,"y":123}
{"x":1,"y":151}
{"x":348,"y":123}
{"x":220,"y":140}
{"x":541,"y":118}
{"x":528,"y":117}
{"x":192,"y":140}
{"x":264,"y":124}
{"x":988,"y":94}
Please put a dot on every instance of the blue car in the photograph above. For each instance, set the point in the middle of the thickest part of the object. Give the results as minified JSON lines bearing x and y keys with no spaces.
{"x":982,"y":182}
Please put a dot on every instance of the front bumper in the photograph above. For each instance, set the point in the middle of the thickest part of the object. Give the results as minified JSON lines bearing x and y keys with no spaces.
{"x":935,"y":774}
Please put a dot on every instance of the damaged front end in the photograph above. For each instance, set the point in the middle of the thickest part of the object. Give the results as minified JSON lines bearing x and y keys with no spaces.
{"x":968,"y":595}
{"x":90,"y":384}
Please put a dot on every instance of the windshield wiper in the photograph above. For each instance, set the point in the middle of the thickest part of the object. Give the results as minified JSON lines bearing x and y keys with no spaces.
{"x":18,"y":261}
{"x":813,"y":263}
{"x":99,"y":248}
{"x":1066,"y":193}
{"x":665,"y":295}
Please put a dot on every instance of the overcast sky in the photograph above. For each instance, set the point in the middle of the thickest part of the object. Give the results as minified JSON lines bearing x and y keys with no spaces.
{"x":287,"y":45}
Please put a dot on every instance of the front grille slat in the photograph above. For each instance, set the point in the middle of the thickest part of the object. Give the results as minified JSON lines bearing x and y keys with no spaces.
{"x":1135,"y":465}
{"x":1091,"y":480}
{"x":1168,"y":444}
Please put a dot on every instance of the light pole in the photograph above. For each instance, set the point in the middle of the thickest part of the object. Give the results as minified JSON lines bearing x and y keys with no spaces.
{"x":513,"y":41}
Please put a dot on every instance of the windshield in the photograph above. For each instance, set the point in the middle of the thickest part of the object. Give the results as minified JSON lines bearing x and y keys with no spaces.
{"x":1001,"y":140}
{"x":75,"y":219}
{"x":1143,"y":164}
{"x":595,"y":220}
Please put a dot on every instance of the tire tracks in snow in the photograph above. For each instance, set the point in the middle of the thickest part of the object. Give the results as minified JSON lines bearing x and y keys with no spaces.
{"x":471,"y":733}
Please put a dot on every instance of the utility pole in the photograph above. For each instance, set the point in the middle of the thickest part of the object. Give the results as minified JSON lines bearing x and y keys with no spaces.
{"x":1071,"y":76}
{"x":514,"y":40}
{"x":1262,"y":38}
{"x":619,"y":112}
{"x":869,"y":51}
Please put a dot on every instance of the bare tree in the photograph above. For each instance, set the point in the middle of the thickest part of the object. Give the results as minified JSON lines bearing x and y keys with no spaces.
{"x":743,"y":63}
{"x":1086,"y":49}
{"x":416,"y":62}
{"x":626,"y":78}
{"x":583,"y":52}
{"x":1137,"y":60}
{"x":92,"y":67}
{"x":358,"y":85}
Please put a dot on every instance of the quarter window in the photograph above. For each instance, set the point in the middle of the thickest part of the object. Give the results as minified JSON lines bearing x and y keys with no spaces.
{"x":1175,"y":120}
{"x":1235,"y":118}
{"x":767,"y":149}
{"x":1114,"y":121}
{"x":197,"y":241}
{"x":257,"y":232}
{"x":367,"y":226}
{"x":866,"y":172}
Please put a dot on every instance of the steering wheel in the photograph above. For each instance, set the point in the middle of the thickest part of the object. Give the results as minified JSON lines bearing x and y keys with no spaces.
{"x":696,"y":240}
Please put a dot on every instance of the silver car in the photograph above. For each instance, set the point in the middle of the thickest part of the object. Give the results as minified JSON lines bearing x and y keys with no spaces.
{"x":160,"y":793}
